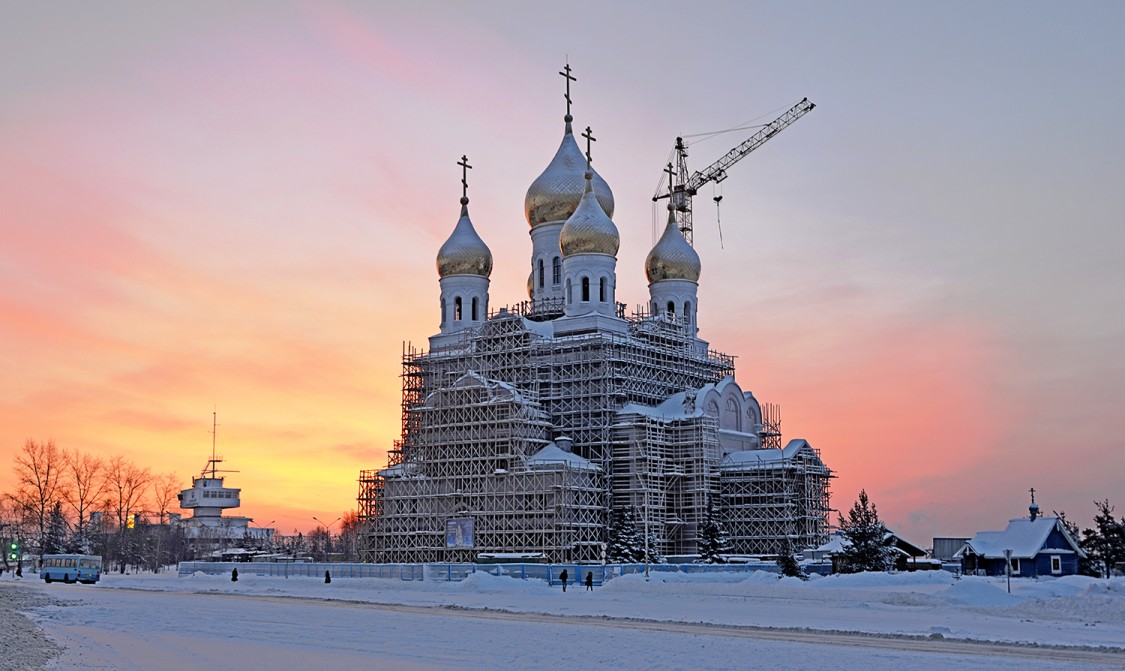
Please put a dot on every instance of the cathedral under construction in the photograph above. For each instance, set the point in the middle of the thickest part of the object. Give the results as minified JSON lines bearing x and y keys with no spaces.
{"x":525,"y":427}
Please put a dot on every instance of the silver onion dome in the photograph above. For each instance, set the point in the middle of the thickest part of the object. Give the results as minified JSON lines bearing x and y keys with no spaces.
{"x":555,"y":194}
{"x":589,"y":230}
{"x":672,"y":258}
{"x":464,"y":253}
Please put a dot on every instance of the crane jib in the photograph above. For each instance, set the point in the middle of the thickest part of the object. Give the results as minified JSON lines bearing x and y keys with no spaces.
{"x":684,"y":187}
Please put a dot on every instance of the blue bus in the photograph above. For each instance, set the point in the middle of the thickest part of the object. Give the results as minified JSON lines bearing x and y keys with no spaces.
{"x":71,"y":568}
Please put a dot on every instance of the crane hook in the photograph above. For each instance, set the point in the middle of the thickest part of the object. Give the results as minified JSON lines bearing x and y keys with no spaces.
{"x":718,"y":220}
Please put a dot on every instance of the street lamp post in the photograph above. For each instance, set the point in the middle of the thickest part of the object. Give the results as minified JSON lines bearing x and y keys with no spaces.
{"x":327,"y":527}
{"x":646,"y":531}
{"x":1008,"y":568}
{"x":328,"y":530}
{"x":268,"y":537}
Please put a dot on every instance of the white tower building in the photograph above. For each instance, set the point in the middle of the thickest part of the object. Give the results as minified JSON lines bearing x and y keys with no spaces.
{"x":550,"y":200}
{"x":589,"y":242}
{"x":464,"y":263}
{"x":673,"y":269}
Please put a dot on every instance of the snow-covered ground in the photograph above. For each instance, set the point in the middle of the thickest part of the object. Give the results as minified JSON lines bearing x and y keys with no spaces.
{"x":713,"y":621}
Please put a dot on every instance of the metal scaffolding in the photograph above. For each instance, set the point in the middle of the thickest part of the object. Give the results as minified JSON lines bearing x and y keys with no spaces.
{"x":479,"y":418}
{"x":776,"y":501}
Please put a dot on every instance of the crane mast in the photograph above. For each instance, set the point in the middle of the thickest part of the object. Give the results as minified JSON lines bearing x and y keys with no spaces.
{"x":685,"y":184}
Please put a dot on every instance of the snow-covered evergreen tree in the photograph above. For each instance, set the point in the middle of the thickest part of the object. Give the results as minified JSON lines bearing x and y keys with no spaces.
{"x":54,"y":539}
{"x":1105,"y":543}
{"x":625,"y":544}
{"x":1086,"y":565}
{"x":866,"y":547}
{"x":787,"y":562}
{"x":712,"y":538}
{"x":654,"y":556}
{"x":80,"y":541}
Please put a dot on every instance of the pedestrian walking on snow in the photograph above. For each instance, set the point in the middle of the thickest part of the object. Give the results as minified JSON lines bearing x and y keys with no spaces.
{"x":234,"y":575}
{"x":563,"y":576}
{"x":589,"y":581}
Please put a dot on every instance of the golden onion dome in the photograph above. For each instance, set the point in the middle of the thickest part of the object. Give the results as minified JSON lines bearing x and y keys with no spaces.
{"x":589,"y":230}
{"x":672,"y":258}
{"x":555,"y":194}
{"x":464,"y":253}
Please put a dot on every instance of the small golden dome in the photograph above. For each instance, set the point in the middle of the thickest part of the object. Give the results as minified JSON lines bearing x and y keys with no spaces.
{"x":672,"y":258}
{"x":555,"y":194}
{"x":464,"y":253}
{"x":589,"y":230}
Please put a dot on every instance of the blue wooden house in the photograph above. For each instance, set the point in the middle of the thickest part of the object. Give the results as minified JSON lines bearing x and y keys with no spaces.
{"x":1039,"y":546}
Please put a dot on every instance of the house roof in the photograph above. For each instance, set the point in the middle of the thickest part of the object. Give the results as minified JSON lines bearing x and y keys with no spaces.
{"x":765,"y":458}
{"x":1024,"y":537}
{"x":839,"y":542}
{"x":552,"y":456}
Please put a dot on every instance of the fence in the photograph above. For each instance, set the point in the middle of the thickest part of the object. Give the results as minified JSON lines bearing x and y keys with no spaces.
{"x":576,"y":573}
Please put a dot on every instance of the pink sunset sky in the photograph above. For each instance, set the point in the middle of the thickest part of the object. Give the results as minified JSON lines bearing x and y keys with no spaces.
{"x":236,"y":206}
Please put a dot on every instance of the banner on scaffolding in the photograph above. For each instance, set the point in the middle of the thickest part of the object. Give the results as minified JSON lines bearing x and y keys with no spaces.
{"x":459,"y":533}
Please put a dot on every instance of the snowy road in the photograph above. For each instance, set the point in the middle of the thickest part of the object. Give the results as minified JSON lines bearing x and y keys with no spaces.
{"x":118,"y":629}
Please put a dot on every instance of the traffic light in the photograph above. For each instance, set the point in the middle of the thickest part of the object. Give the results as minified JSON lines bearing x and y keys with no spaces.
{"x":13,"y":551}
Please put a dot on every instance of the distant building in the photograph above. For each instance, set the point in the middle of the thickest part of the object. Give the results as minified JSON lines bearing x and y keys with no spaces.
{"x":907,"y":555}
{"x":1039,"y":546}
{"x":207,"y":498}
{"x":946,"y":547}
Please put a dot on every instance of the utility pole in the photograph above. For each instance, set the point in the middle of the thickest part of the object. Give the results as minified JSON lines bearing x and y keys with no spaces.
{"x":1008,"y":568}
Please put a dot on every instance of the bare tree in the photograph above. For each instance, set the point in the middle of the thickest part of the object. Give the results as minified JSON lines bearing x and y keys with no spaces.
{"x":39,"y":471}
{"x":10,"y":527}
{"x":351,"y":533}
{"x":126,"y":484}
{"x":165,"y":489}
{"x":87,"y":486}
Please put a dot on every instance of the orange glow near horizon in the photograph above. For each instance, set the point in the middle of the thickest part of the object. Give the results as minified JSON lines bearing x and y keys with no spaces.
{"x":220,"y":208}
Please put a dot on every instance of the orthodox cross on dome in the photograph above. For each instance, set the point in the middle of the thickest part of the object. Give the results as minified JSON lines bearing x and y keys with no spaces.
{"x":566,"y":73}
{"x":589,"y":135}
{"x":671,"y":180}
{"x":465,"y":167}
{"x":1032,"y":490}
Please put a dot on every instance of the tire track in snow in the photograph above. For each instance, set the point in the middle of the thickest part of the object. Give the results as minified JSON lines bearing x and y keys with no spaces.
{"x":935,"y":644}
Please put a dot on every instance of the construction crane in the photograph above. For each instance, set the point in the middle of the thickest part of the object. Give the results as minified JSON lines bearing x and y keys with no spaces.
{"x":684,"y":185}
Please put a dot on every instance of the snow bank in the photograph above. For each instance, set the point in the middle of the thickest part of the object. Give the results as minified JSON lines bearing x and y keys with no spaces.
{"x":863,"y":580}
{"x":977,"y":593}
{"x":483,"y":582}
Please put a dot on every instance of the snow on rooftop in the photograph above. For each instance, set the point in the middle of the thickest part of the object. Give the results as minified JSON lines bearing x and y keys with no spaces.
{"x":764,"y":457}
{"x":399,"y":470}
{"x":542,"y":329}
{"x":1024,"y":537}
{"x":552,"y":456}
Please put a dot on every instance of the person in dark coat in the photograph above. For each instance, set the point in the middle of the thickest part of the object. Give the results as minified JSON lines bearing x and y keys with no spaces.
{"x":234,"y":575}
{"x":589,"y":581}
{"x":563,"y":576}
